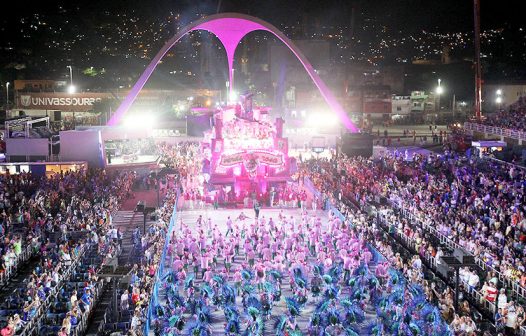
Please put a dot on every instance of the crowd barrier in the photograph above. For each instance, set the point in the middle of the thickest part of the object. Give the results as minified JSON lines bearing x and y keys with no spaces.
{"x":24,"y":256}
{"x":32,"y":326}
{"x":513,"y":285}
{"x":377,"y":255}
{"x":431,"y":261}
{"x":505,"y":132}
{"x":476,"y":295}
{"x":159,"y":275}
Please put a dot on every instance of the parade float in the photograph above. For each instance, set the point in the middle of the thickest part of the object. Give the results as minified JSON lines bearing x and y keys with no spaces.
{"x":246,"y":153}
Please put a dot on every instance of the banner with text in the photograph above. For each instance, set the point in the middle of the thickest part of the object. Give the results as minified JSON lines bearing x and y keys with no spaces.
{"x":76,"y":102}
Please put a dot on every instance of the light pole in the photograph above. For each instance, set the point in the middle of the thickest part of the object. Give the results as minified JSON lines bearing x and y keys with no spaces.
{"x":71,"y":88}
{"x":7,"y":96}
{"x":498,"y":100}
{"x":227,"y":84}
{"x":439,"y":91}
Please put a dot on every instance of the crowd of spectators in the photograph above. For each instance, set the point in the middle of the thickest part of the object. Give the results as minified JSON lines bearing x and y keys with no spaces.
{"x":476,"y":203}
{"x":15,"y":191}
{"x":511,"y":117}
{"x":183,"y":158}
{"x":59,"y":217}
{"x":138,"y":295}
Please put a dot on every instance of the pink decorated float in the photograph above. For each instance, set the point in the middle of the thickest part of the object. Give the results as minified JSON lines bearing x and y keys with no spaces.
{"x":246,"y":154}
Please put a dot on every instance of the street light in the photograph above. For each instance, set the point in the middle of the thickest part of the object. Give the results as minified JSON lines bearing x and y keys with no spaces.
{"x":439,"y":91}
{"x":498,"y":100}
{"x":7,"y":95}
{"x":71,"y":88}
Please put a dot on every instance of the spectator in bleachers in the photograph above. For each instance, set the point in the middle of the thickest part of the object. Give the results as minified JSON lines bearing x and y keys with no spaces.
{"x":511,"y":117}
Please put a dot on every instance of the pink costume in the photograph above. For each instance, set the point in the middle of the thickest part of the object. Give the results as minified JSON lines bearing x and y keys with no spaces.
{"x":177,"y":265}
{"x":260,"y":273}
{"x":205,"y":259}
{"x":267,"y":254}
{"x":251,"y":255}
{"x":300,"y":256}
{"x":347,"y":262}
{"x":237,"y":276}
{"x":208,"y":276}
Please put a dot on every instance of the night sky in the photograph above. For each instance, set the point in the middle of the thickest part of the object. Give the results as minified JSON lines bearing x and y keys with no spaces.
{"x":411,"y":15}
{"x":120,"y":36}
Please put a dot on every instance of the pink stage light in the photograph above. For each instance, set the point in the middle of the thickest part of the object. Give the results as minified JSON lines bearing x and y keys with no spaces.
{"x":237,"y":171}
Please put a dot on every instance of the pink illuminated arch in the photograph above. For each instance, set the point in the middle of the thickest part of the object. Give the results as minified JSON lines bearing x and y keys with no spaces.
{"x":230,"y":28}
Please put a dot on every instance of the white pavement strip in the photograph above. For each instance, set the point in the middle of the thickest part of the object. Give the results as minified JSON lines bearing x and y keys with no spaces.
{"x":219,"y":217}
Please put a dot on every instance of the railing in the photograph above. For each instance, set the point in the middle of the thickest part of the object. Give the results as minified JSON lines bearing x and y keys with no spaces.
{"x":376,"y":253}
{"x":476,"y":295}
{"x":33,"y":325}
{"x":24,"y":256}
{"x":512,"y":284}
{"x":502,"y":162}
{"x":159,"y":275}
{"x":82,"y":324}
{"x":506,"y":132}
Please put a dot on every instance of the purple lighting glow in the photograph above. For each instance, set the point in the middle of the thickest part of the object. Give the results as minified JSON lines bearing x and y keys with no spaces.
{"x":230,"y":28}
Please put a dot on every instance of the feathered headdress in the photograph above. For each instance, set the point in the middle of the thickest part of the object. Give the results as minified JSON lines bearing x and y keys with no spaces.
{"x":248,"y":289}
{"x":207,"y":290}
{"x":321,"y":311}
{"x":280,"y":325}
{"x":232,"y":327}
{"x":159,"y":311}
{"x":204,"y":315}
{"x":349,"y":331}
{"x":253,"y":307}
{"x":335,"y":272}
{"x":175,"y":300}
{"x":170,"y":277}
{"x":231,"y":312}
{"x":229,"y":294}
{"x":189,"y":282}
{"x":253,"y":312}
{"x":293,"y":306}
{"x":218,"y":279}
{"x":353,"y":311}
{"x":299,"y":278}
{"x":174,"y":320}
{"x":195,"y":328}
{"x":275,"y":275}
{"x":333,"y":317}
{"x":331,"y":292}
{"x":247,"y":275}
{"x":327,"y":279}
{"x":375,"y":329}
{"x":318,"y":269}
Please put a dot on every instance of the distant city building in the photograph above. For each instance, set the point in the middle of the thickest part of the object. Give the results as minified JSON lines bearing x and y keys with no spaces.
{"x":38,"y":85}
{"x":369,"y":102}
{"x":48,"y":98}
{"x":422,"y":102}
{"x":401,"y":106}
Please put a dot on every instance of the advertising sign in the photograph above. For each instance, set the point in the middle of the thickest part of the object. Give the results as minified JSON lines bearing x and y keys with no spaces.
{"x":76,"y":102}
